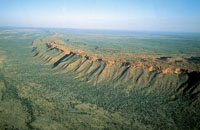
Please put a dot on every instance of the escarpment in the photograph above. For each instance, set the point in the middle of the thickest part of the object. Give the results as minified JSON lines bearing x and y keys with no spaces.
{"x":148,"y":72}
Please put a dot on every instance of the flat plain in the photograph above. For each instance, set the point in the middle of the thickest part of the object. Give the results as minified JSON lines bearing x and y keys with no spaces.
{"x":92,"y":79}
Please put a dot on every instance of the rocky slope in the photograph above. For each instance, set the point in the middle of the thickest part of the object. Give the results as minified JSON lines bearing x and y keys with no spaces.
{"x":177,"y":73}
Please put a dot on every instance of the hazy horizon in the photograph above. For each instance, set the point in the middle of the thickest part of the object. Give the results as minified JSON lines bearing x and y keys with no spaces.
{"x":100,"y":64}
{"x":133,"y":15}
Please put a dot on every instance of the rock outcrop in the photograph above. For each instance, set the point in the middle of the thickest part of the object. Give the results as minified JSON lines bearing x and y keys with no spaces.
{"x":145,"y":71}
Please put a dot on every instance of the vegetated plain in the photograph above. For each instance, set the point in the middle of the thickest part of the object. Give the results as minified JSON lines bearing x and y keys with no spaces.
{"x":83,"y":79}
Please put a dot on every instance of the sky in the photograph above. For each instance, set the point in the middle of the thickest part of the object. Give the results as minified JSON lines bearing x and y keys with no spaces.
{"x":149,"y":15}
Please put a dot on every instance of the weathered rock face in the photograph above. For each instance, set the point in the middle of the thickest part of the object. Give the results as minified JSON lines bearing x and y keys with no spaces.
{"x":148,"y":72}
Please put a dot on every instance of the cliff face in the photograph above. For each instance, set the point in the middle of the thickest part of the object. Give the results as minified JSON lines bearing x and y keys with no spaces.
{"x":144,"y":72}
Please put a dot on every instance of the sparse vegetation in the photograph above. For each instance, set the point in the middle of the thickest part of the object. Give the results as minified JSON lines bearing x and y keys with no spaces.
{"x":37,"y":95}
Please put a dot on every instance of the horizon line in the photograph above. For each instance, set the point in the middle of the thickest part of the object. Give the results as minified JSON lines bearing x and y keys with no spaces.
{"x":102,"y":29}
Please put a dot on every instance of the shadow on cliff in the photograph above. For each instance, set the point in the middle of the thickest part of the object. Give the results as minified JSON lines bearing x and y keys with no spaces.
{"x":191,"y":84}
{"x":60,"y":60}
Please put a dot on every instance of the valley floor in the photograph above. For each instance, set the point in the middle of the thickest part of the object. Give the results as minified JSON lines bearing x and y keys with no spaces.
{"x":33,"y":95}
